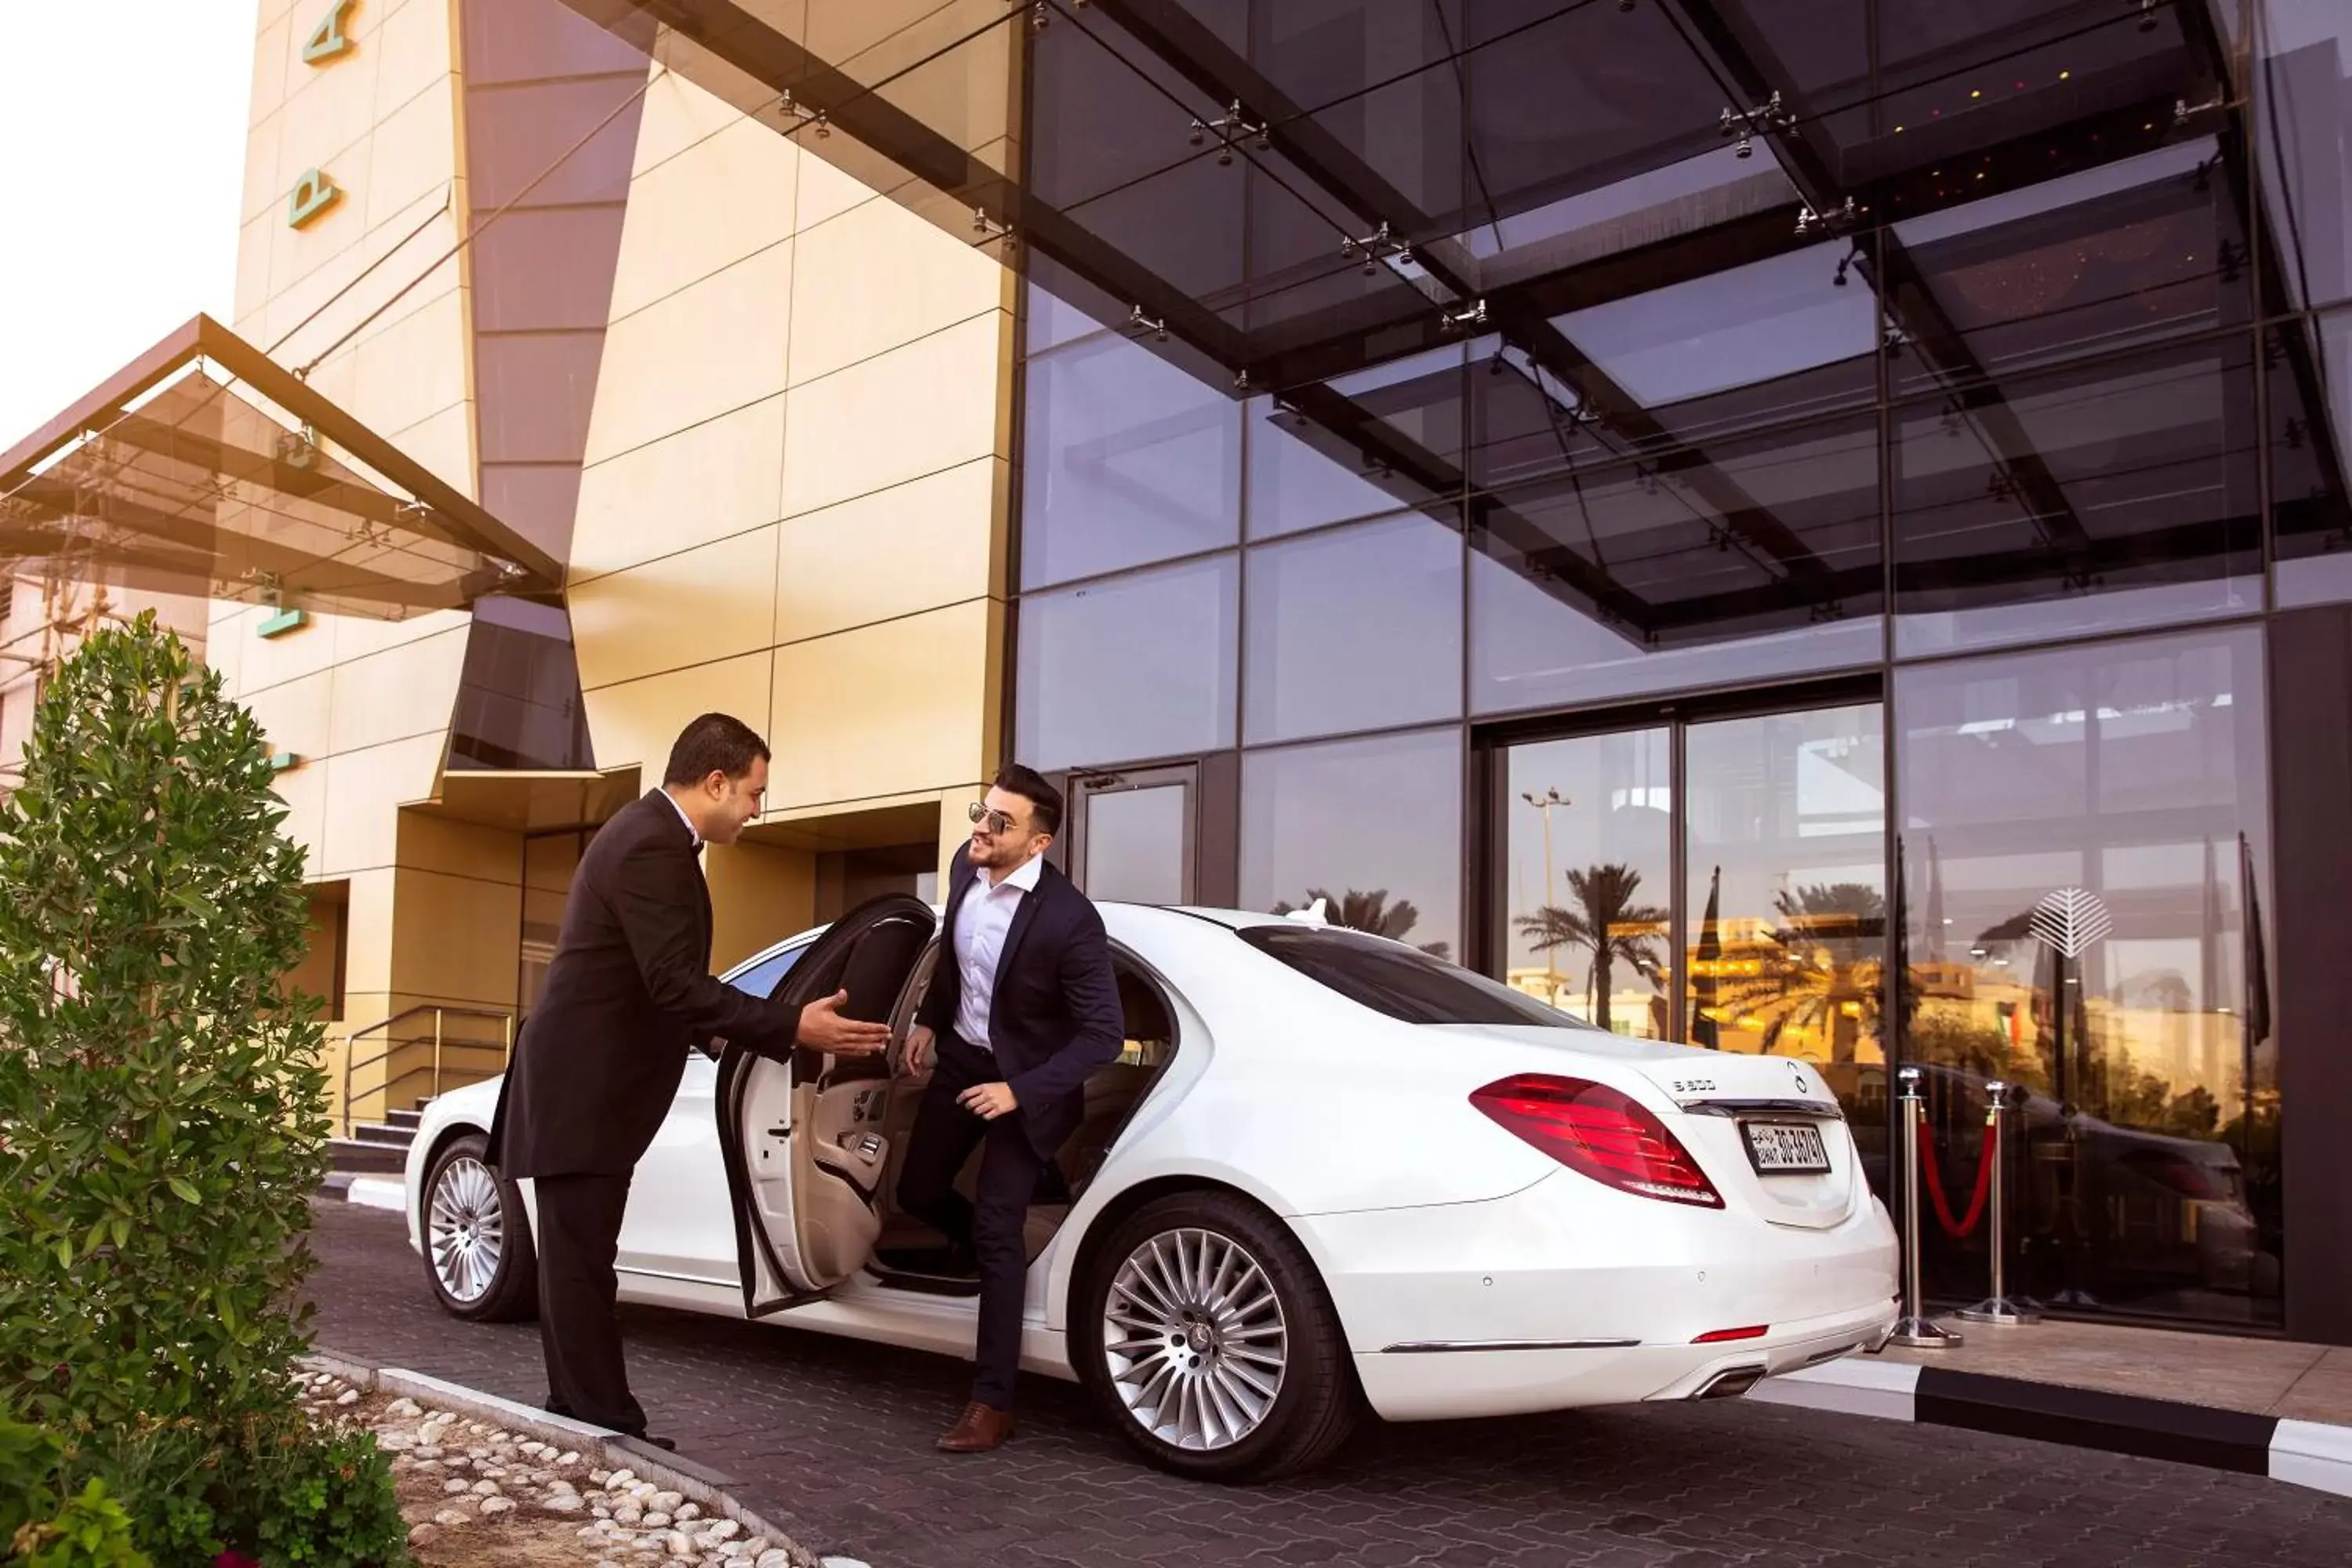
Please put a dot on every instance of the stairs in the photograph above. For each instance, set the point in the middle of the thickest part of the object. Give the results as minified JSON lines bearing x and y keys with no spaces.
{"x":375,"y":1148}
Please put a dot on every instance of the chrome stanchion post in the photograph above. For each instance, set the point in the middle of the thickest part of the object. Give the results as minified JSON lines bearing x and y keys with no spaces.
{"x":1998,"y":1309}
{"x":1911,"y":1329}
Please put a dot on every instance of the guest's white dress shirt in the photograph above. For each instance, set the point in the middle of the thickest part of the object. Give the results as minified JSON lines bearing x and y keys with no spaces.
{"x":982,"y":923}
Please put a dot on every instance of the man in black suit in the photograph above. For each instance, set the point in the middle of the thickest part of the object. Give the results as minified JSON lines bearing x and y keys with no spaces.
{"x":628,"y":995}
{"x":1022,"y":1009}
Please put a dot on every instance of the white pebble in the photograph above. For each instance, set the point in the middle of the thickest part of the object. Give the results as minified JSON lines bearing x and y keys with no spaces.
{"x":627,"y":1513}
{"x":394,"y":1442}
{"x":491,"y":1505}
{"x":564,"y":1502}
{"x":597,"y":1478}
{"x":618,"y":1479}
{"x":451,"y":1516}
{"x":667,"y":1501}
{"x":424,"y":1451}
{"x":840,"y":1563}
{"x":590,"y":1532}
{"x":687,"y":1510}
{"x":404,"y":1407}
{"x":487,"y":1488}
{"x":775,"y":1557}
{"x":723,"y":1529}
{"x":756,"y":1545}
{"x":420,"y":1534}
{"x":569,"y":1457}
{"x":680,"y":1545}
{"x":657,"y":1521}
{"x":348,"y":1397}
{"x":454,"y":1487}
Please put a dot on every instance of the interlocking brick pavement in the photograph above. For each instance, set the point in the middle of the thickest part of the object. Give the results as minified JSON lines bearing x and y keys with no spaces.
{"x":832,"y":1440}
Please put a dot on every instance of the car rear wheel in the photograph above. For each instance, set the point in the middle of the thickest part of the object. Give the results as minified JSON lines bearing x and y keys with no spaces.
{"x":477,"y":1250}
{"x":1208,"y":1340}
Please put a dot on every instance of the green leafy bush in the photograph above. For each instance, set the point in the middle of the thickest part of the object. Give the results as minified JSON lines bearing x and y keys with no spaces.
{"x":163,"y":1122}
{"x":40,"y":1526}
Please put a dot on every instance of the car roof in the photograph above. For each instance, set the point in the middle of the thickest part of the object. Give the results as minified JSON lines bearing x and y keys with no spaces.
{"x":1231,"y":920}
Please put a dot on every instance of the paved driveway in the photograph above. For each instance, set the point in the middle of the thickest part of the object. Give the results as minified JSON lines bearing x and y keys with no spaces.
{"x":832,"y":1439}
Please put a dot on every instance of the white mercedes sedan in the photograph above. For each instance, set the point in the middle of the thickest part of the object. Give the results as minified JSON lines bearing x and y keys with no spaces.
{"x":1330,"y":1175}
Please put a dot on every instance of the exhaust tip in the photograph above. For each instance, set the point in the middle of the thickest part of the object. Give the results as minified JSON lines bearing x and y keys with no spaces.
{"x":1732,"y":1383}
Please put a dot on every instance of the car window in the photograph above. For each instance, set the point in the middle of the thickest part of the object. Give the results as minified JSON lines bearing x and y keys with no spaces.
{"x":1402,"y":982}
{"x":763,"y":978}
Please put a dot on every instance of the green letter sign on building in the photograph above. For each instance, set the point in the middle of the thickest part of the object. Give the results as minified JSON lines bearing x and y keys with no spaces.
{"x":314,"y":193}
{"x":328,"y":39}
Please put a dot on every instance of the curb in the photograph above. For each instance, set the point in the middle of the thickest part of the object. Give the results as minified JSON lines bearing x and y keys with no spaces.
{"x":2315,"y":1453}
{"x":708,"y":1488}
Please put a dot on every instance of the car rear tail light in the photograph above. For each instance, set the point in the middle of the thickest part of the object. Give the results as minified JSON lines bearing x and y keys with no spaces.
{"x":1721,"y":1336}
{"x":1598,"y":1131}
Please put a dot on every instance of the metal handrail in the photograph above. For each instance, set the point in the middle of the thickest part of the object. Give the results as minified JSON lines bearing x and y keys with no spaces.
{"x":442,"y":1044}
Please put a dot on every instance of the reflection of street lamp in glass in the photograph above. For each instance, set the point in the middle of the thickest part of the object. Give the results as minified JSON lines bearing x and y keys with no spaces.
{"x":1544,"y":803}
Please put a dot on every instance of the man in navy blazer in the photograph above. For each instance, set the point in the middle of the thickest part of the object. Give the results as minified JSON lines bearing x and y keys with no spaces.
{"x":1021,"y":1010}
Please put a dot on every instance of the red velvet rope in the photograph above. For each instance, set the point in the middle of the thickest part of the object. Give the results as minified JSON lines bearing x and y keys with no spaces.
{"x":1956,"y":1229}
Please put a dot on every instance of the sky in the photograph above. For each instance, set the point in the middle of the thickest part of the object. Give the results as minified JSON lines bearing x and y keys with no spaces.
{"x":122,"y":168}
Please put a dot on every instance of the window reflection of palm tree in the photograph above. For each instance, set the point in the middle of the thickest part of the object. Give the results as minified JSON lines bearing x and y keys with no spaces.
{"x":1826,"y":983}
{"x":1605,"y":922}
{"x":1371,"y":912}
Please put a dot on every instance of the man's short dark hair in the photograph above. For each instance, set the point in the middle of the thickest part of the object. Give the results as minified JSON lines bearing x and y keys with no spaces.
{"x":714,"y":743}
{"x":1044,"y":800}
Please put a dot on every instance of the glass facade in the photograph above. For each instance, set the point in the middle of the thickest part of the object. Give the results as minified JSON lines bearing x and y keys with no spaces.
{"x":1748,"y":526}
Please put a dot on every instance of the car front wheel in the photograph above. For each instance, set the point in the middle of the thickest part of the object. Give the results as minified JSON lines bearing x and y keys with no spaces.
{"x":1208,"y":1339}
{"x":477,"y":1250}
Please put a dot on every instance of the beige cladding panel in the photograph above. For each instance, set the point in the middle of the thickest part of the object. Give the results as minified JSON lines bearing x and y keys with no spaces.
{"x":364,"y":793}
{"x":415,"y":149}
{"x":637,"y":722}
{"x":711,"y":481}
{"x":760,"y":894}
{"x":457,"y":938}
{"x":715,"y":203}
{"x":883,"y":710}
{"x":405,"y":375}
{"x":927,"y":406}
{"x":459,"y":848}
{"x":877,"y":278}
{"x":295,"y":715}
{"x":688,"y":609}
{"x":395,"y":695}
{"x":367,"y":936}
{"x":713,"y":347}
{"x":304,"y":792}
{"x":913,"y":547}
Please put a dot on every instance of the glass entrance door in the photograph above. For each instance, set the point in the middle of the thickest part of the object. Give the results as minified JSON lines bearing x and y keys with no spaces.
{"x":1131,"y":835}
{"x":1717,"y":879}
{"x":1590,"y":879}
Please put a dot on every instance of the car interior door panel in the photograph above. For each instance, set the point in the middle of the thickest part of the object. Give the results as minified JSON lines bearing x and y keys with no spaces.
{"x":802,"y":1133}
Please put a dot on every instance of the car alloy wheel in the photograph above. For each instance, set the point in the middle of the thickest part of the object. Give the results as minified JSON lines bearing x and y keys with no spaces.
{"x":1195,"y":1340}
{"x":465,"y":1229}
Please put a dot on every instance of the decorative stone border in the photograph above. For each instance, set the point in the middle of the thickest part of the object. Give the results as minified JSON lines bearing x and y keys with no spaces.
{"x":611,"y":1451}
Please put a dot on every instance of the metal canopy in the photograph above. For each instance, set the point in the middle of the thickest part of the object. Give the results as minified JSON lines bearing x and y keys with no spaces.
{"x":1277,"y":196}
{"x":204,"y":467}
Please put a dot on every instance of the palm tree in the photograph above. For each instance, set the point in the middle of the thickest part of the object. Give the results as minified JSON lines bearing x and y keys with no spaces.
{"x":1369,"y":912}
{"x":1605,"y":922}
{"x":1828,"y":980}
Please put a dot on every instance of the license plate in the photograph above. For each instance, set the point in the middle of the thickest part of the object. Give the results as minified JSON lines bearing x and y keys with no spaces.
{"x":1786,"y":1148}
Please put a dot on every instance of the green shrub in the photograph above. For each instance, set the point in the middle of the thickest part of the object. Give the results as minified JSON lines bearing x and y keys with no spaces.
{"x":163,"y":1122}
{"x":43,"y":1527}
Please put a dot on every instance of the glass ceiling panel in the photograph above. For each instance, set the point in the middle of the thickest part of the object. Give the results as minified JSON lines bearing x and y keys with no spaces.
{"x":199,"y":491}
{"x":1542,"y":156}
{"x":1784,"y":330}
{"x":2129,"y":253}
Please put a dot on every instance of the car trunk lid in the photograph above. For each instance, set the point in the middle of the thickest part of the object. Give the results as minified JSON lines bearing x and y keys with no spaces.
{"x":1718,"y":1096}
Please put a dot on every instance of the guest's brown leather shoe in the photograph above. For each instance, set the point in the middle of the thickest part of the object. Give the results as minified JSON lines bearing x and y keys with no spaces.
{"x":980,"y":1428}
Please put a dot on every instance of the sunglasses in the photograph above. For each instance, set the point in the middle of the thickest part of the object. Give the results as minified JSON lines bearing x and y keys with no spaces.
{"x":995,"y":821}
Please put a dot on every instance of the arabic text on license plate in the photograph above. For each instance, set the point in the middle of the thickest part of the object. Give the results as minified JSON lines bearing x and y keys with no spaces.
{"x":1786,"y":1148}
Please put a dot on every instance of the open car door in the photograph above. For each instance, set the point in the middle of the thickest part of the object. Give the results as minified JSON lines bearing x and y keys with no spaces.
{"x":802,"y":1133}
